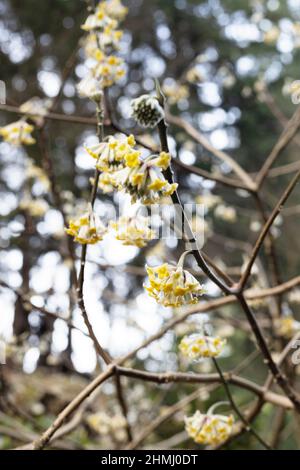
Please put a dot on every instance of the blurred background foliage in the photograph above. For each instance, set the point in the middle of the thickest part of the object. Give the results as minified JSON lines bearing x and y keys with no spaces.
{"x":238,"y":64}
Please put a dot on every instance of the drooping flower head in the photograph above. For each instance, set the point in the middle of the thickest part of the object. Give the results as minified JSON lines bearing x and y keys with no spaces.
{"x":197,"y":346}
{"x":18,"y":133}
{"x":143,"y":179}
{"x":110,"y":155}
{"x":133,"y":231}
{"x":147,"y":111}
{"x":209,"y":429}
{"x":87,"y":228}
{"x":36,"y":109}
{"x":173,"y":286}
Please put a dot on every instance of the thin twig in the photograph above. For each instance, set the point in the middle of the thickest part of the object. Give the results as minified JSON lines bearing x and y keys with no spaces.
{"x":276,"y":211}
{"x":286,"y":136}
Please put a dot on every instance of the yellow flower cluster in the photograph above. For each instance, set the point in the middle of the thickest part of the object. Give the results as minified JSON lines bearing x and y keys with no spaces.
{"x":175,"y":92}
{"x":294,"y":296}
{"x":271,"y":36}
{"x":143,"y":179}
{"x":105,"y":183}
{"x":111,"y":155}
{"x":292,"y":87}
{"x":287,"y":326}
{"x":209,"y":429}
{"x":197,"y":346}
{"x":103,"y":38}
{"x":208,"y":200}
{"x":34,"y":207}
{"x":107,"y":14}
{"x":110,"y":69}
{"x":98,"y":21}
{"x":172,"y":286}
{"x":125,"y":169}
{"x":95,"y":43}
{"x":18,"y":133}
{"x":193,"y":75}
{"x":90,"y":87}
{"x":104,"y":424}
{"x":226,"y":213}
{"x":133,"y":230}
{"x":36,"y":109}
{"x":87,"y":228}
{"x":114,"y":9}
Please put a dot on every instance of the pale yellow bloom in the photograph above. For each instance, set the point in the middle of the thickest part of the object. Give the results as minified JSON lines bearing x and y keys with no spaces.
{"x":172,"y":286}
{"x":227,"y":77}
{"x":208,"y":200}
{"x":175,"y":92}
{"x":105,"y":70}
{"x":105,"y":183}
{"x":115,"y":9}
{"x":296,"y":29}
{"x":36,"y":109}
{"x":133,"y":230}
{"x":200,"y":226}
{"x":109,"y":38}
{"x":34,"y":207}
{"x":96,"y":43}
{"x":271,"y":36}
{"x":98,"y":21}
{"x":197,"y":346}
{"x":90,"y":87}
{"x":143,"y":179}
{"x":109,"y":69}
{"x":291,"y":86}
{"x":286,"y":326}
{"x":260,"y":85}
{"x":193,"y":75}
{"x":294,"y":296}
{"x":111,"y":154}
{"x":209,"y":429}
{"x":87,"y":228}
{"x":257,"y":303}
{"x":18,"y":133}
{"x":226,"y":213}
{"x":104,"y":424}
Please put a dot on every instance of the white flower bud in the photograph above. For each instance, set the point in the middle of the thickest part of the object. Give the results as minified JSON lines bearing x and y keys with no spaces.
{"x":147,"y":111}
